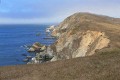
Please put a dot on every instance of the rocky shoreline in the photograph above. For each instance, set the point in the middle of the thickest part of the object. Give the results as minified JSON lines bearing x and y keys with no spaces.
{"x":42,"y":52}
{"x":85,"y":34}
{"x":79,"y":35}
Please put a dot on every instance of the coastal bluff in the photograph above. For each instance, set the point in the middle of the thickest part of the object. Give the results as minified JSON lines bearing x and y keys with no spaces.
{"x":87,"y":48}
{"x":85,"y":34}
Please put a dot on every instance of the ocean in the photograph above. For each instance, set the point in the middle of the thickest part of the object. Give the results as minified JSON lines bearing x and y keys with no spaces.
{"x":13,"y":38}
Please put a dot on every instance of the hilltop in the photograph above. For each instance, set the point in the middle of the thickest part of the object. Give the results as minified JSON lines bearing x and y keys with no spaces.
{"x":84,"y":34}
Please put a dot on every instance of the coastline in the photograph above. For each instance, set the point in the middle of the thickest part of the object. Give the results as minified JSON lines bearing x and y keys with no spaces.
{"x":15,"y":39}
{"x":43,"y":53}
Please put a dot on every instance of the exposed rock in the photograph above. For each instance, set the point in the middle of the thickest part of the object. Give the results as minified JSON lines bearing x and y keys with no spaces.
{"x":29,"y":57}
{"x":90,"y":42}
{"x":34,"y":61}
{"x":42,"y":53}
{"x":55,"y":33}
{"x":36,"y":47}
{"x":26,"y":60}
{"x":82,"y":34}
{"x":51,"y":28}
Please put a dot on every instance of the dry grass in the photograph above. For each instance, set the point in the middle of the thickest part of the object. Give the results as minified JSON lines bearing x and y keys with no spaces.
{"x":104,"y":66}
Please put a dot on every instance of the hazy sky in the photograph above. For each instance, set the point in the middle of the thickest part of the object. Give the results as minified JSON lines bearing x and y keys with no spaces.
{"x":50,"y":11}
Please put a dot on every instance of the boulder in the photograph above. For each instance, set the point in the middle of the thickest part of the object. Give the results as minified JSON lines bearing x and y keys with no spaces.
{"x":36,"y":47}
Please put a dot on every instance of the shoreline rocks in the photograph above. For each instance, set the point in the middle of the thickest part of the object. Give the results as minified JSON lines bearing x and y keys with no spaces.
{"x":42,"y":53}
{"x":79,"y":35}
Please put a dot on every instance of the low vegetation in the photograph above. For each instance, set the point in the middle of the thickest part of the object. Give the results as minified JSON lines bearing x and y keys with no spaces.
{"x":102,"y":66}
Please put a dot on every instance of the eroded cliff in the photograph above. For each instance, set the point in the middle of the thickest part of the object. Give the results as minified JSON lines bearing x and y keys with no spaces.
{"x":84,"y":34}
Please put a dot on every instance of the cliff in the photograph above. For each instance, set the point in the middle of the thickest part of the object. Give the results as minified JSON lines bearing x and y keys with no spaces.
{"x":84,"y":34}
{"x":79,"y":36}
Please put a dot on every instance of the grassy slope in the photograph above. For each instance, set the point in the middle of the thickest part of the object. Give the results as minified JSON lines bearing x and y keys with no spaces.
{"x":104,"y":66}
{"x":87,"y":21}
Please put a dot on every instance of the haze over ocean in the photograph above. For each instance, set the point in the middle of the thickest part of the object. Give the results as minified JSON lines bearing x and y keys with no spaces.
{"x":53,"y":11}
{"x":14,"y":37}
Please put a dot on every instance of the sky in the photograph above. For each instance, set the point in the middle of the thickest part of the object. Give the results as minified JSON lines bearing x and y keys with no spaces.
{"x":53,"y":11}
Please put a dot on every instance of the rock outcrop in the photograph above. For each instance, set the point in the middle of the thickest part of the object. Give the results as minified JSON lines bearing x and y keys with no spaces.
{"x":41,"y":53}
{"x":35,"y":47}
{"x":84,"y":34}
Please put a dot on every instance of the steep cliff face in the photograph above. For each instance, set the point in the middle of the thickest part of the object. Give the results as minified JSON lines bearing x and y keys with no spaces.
{"x":84,"y":34}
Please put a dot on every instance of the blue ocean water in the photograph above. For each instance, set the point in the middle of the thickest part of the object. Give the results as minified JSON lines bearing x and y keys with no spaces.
{"x":14,"y":37}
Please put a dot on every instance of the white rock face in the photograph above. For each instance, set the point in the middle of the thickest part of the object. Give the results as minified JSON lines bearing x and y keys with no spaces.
{"x":51,"y":28}
{"x":65,"y":26}
{"x":84,"y":34}
{"x":31,"y":50}
{"x":80,"y":44}
{"x":91,"y":41}
{"x":54,"y":59}
{"x":34,"y":60}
